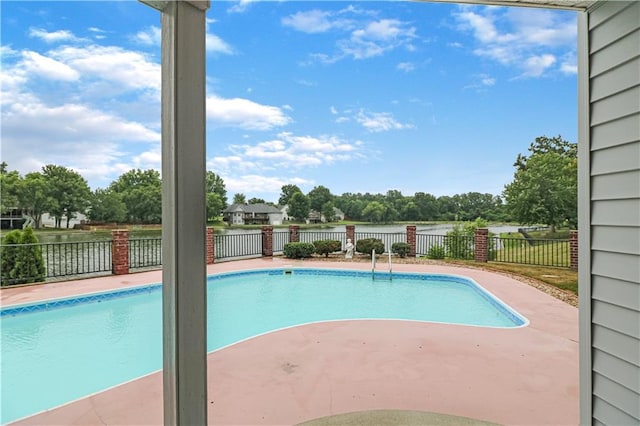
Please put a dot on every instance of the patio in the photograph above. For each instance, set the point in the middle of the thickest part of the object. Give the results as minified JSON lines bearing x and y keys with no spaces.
{"x":527,"y":375}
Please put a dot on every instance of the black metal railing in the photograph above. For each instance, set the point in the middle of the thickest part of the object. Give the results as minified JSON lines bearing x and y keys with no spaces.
{"x":237,"y":245}
{"x":280,"y":238}
{"x":76,"y":258}
{"x":95,"y":257}
{"x":387,"y":238}
{"x":429,"y":244}
{"x":61,"y":260}
{"x":310,"y":237}
{"x":538,"y":252}
{"x":145,"y":253}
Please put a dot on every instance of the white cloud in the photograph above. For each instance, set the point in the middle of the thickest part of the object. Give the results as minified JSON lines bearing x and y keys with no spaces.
{"x":528,"y":40}
{"x":77,"y":136}
{"x":286,"y":152}
{"x":151,"y":36}
{"x":36,"y":64}
{"x":240,"y":7}
{"x":217,"y":45}
{"x":244,"y":113}
{"x":380,"y":121}
{"x":406,"y":66}
{"x":333,"y":110}
{"x":253,"y":183}
{"x":312,"y":21}
{"x":85,"y":107}
{"x":481,"y":82}
{"x":569,"y":68}
{"x":535,"y":66}
{"x":52,"y":36}
{"x":360,"y":39}
{"x":128,"y":69}
{"x":377,"y":38}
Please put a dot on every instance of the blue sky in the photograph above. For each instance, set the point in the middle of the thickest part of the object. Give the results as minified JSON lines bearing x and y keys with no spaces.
{"x":356,"y":96}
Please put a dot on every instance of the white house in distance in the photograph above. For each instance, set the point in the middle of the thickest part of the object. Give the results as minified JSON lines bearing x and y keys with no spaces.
{"x":252,"y":214}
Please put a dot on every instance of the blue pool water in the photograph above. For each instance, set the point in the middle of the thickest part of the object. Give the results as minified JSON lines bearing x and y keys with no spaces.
{"x":58,"y":351}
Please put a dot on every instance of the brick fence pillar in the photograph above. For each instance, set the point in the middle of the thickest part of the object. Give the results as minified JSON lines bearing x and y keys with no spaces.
{"x":120,"y":252}
{"x":573,"y":249}
{"x":267,"y":240}
{"x":411,"y":240}
{"x":211,"y":247}
{"x":481,"y":245}
{"x":294,"y":233}
{"x":351,"y":233}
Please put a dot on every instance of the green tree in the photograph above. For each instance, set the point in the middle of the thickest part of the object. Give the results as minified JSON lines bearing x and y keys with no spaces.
{"x":427,"y":205}
{"x":68,"y":190}
{"x":22,"y":260}
{"x":141,"y":192}
{"x":328,"y":211}
{"x":374,"y":212}
{"x":255,"y":200}
{"x":8,"y":256}
{"x":215,"y":205}
{"x":29,"y":262}
{"x":318,"y":196}
{"x":299,"y":206}
{"x":34,"y":197}
{"x":286,"y":192}
{"x":239,"y":198}
{"x":9,"y":188}
{"x":215,"y":185}
{"x":544,"y":188}
{"x":107,"y":206}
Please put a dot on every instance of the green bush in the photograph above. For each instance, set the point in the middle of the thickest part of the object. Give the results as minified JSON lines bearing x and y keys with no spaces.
{"x":22,"y":260}
{"x":327,"y":246}
{"x":298,"y":250}
{"x":401,"y":249}
{"x":367,"y":245}
{"x":436,"y":252}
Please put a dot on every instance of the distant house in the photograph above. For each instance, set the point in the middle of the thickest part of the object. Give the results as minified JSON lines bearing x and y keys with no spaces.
{"x":252,"y":214}
{"x":12,"y":219}
{"x":317,"y":217}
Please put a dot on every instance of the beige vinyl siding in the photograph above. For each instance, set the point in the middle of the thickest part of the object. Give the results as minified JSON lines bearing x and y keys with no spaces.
{"x":614,"y":78}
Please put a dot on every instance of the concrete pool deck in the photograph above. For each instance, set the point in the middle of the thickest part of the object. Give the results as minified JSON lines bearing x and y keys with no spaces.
{"x":526,"y":375}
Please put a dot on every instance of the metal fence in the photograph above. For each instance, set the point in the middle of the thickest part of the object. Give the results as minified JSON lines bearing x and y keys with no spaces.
{"x":280,"y":238}
{"x":537,"y":252}
{"x":387,"y":238}
{"x":145,"y":253}
{"x":237,"y":245}
{"x":95,"y":257}
{"x":62,"y":259}
{"x":310,"y":237}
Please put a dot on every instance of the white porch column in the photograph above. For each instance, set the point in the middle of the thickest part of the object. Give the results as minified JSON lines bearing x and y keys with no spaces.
{"x":183,"y":211}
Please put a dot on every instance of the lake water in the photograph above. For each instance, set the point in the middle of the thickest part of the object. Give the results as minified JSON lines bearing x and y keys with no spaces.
{"x":438,"y":229}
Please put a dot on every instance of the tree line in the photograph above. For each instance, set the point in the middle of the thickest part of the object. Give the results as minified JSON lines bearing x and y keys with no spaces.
{"x":543,"y":191}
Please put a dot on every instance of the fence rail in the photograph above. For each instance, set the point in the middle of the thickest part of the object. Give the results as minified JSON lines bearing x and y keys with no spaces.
{"x":145,"y":252}
{"x":237,"y":245}
{"x":96,"y":257}
{"x":537,"y":252}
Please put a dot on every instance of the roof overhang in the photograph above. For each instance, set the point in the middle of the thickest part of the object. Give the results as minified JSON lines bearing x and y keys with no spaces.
{"x":577,"y":5}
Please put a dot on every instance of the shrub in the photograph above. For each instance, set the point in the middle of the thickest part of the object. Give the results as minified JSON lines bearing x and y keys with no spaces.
{"x":401,"y":249}
{"x":367,"y":245}
{"x":436,"y":252}
{"x":22,"y":260}
{"x":327,"y":246}
{"x":298,"y":250}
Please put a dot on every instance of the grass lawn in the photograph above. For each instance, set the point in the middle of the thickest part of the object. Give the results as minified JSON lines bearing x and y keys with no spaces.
{"x":549,"y":250}
{"x":562,"y":278}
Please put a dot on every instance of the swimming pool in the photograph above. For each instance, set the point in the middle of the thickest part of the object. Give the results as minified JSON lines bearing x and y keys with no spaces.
{"x":57,"y":351}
